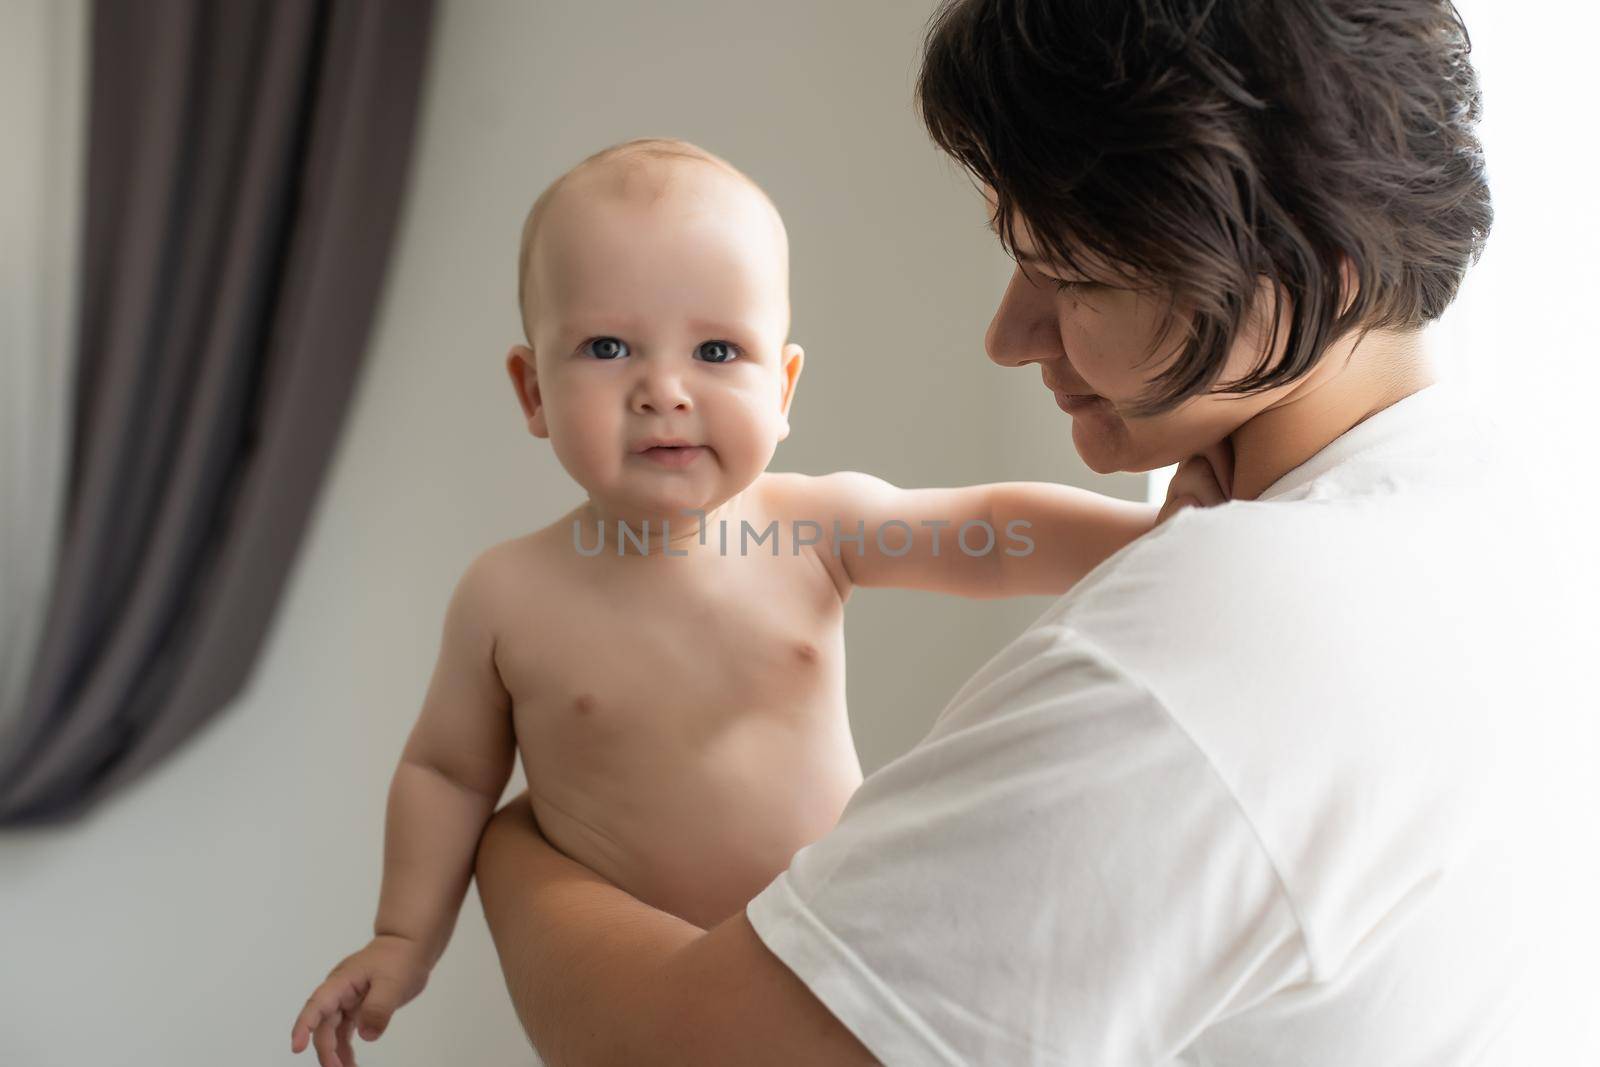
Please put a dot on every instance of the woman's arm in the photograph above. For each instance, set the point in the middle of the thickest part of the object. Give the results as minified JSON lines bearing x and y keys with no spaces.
{"x":578,"y":953}
{"x":597,"y":977}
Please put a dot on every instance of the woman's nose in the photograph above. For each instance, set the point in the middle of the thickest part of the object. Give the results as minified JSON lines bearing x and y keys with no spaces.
{"x":1024,"y":328}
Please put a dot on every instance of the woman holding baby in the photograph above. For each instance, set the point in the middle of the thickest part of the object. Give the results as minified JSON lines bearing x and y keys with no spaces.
{"x":1243,"y":794}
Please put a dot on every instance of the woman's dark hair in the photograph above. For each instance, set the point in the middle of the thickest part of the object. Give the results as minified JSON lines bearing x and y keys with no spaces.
{"x":1202,"y":145}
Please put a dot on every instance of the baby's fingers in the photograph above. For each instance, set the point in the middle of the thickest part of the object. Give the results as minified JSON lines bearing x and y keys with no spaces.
{"x":381,"y":1001}
{"x":329,"y":1032}
{"x":1197,"y":478}
{"x":332,"y":1046}
{"x":1192,"y":485}
{"x":322,"y":1041}
{"x":347,"y":1052}
{"x":340,"y":993}
{"x":1219,"y":457}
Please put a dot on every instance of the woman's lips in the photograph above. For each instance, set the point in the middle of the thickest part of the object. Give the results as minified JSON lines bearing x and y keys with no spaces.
{"x":1076,"y":404}
{"x":675,"y":458}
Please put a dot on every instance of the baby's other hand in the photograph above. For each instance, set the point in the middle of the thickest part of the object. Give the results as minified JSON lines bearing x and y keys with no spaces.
{"x":364,"y":988}
{"x":1203,"y":480}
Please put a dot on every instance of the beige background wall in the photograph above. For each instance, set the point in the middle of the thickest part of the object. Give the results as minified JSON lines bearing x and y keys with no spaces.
{"x":186,"y":922}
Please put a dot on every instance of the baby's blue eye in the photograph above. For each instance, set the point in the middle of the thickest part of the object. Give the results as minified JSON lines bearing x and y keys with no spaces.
{"x":717,"y":351}
{"x":607,"y":348}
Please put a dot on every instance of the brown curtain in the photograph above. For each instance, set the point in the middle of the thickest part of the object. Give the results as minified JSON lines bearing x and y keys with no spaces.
{"x":245,"y":167}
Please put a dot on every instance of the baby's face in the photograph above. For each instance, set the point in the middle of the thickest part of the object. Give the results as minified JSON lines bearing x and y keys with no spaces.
{"x":661,"y":320}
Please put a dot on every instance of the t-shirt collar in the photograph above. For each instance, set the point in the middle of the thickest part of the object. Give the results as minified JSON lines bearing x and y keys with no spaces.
{"x":1398,"y":418}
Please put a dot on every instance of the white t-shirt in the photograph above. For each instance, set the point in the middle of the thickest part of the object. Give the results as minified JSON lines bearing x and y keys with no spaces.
{"x":1261,"y":789}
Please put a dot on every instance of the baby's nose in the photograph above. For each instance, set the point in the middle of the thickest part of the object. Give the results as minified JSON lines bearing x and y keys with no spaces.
{"x":660,"y":393}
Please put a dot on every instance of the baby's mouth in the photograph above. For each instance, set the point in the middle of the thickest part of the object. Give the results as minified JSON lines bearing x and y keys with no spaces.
{"x":673,"y":455}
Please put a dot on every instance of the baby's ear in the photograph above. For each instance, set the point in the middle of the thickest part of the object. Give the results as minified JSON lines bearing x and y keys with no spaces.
{"x":524,"y":374}
{"x":789,"y":365}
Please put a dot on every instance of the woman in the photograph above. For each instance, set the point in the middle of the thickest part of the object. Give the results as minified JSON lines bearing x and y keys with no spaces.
{"x":1241,"y":796}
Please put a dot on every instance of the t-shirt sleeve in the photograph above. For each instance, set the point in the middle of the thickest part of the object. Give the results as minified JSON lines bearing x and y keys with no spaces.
{"x":1054,"y":874}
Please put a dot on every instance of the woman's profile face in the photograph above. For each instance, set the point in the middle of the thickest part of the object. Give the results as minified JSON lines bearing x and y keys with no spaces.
{"x":1090,"y":337}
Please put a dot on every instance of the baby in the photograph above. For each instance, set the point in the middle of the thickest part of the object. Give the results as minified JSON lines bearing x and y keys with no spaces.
{"x":668,"y":657}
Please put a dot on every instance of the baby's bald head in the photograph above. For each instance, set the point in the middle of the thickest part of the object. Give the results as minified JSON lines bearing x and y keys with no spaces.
{"x":644,"y":171}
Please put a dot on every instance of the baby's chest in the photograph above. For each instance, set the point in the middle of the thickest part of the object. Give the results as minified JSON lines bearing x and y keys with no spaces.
{"x":658,"y":667}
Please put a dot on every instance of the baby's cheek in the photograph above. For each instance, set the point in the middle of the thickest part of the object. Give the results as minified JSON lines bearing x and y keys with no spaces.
{"x":748,"y":444}
{"x":583,"y":450}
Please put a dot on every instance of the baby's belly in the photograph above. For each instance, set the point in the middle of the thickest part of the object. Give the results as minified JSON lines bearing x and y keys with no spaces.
{"x":699,"y":831}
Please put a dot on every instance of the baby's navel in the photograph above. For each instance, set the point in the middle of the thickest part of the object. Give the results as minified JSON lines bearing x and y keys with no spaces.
{"x":584,"y":704}
{"x":806,"y":652}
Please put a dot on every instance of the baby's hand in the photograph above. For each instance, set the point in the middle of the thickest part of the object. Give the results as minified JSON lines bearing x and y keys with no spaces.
{"x":1203,"y":480}
{"x":364,"y":988}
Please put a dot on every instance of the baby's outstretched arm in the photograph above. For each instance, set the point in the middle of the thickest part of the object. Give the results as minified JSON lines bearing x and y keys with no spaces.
{"x":1077,"y":529}
{"x":987,"y":541}
{"x":451,"y":774}
{"x":1064,"y":533}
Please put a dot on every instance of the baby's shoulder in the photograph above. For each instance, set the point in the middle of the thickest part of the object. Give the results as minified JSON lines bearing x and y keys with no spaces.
{"x":779,"y":489}
{"x":817,"y":497}
{"x":498,"y":577}
{"x":531,"y":556}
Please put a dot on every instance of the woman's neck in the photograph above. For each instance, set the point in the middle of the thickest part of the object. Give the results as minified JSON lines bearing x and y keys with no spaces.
{"x":1351,"y":383}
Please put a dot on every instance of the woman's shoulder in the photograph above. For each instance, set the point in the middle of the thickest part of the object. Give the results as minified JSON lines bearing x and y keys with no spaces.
{"x":1329,"y":670}
{"x":1313,"y":605}
{"x":1199,"y":558}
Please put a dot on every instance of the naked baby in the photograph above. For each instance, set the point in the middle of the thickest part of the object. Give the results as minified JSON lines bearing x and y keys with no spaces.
{"x":675,"y":688}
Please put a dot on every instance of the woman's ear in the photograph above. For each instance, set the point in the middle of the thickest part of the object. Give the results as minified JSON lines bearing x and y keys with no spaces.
{"x":790,"y":362}
{"x":1349,"y":283}
{"x":524,"y":374}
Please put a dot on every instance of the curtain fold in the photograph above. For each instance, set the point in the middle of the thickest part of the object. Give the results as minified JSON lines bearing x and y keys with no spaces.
{"x":245,"y":173}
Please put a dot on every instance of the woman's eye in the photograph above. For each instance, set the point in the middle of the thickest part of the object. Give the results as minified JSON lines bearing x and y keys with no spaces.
{"x":607,"y":348}
{"x":1070,"y":287}
{"x":717,"y":351}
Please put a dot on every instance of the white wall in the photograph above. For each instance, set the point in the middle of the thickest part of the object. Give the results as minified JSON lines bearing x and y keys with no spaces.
{"x":1521,"y":336}
{"x":186,"y":922}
